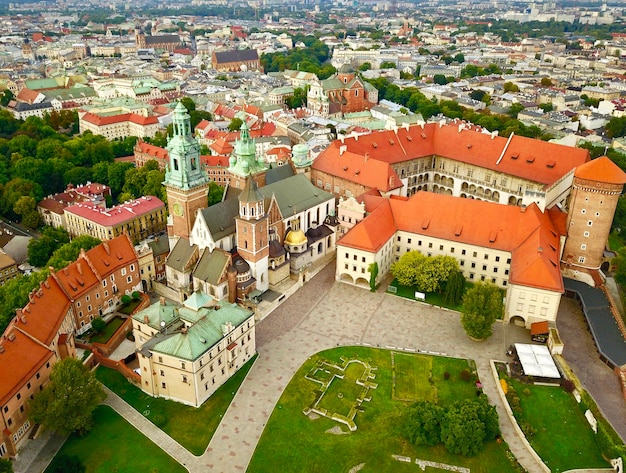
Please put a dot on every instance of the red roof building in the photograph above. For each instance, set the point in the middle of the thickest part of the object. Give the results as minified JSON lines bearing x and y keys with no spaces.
{"x":514,"y":248}
{"x":450,"y":159}
{"x":119,"y":126}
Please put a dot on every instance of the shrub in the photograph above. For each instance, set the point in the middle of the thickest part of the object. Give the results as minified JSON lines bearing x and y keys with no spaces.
{"x":568,"y":385}
{"x":67,"y":464}
{"x":446,"y":375}
{"x":125,"y":299}
{"x":526,"y":392}
{"x":515,"y":402}
{"x":465,"y":375}
{"x":136,"y":295}
{"x":98,"y":325}
{"x":527,"y":429}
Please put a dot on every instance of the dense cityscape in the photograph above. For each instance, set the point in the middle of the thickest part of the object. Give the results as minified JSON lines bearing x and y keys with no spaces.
{"x":316,"y":236}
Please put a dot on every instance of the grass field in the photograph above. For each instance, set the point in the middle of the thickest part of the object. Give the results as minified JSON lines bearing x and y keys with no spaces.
{"x":191,"y":427}
{"x":342,"y":393}
{"x":432,"y":298}
{"x":116,"y":446}
{"x":293,"y":442}
{"x":563,"y":438}
{"x":108,"y":331}
{"x":413,"y":378}
{"x":128,"y":308}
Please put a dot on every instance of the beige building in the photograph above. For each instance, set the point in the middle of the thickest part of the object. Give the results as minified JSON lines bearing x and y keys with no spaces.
{"x":138,"y":218}
{"x":186,"y":353}
{"x":517,"y":249}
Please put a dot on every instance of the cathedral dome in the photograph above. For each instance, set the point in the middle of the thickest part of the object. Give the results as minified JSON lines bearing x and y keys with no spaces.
{"x":295,"y":238}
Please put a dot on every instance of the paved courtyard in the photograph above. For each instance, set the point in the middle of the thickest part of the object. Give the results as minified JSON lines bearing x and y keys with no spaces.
{"x":324,"y":314}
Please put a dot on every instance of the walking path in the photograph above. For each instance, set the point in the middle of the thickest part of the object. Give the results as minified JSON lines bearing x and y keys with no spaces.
{"x":324,"y":314}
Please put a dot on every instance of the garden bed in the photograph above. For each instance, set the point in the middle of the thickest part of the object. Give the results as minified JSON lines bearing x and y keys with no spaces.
{"x":111,"y":327}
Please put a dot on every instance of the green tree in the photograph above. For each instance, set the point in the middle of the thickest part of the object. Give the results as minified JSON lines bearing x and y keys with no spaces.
{"x":373,"y":270}
{"x":422,"y":423}
{"x":387,"y":65}
{"x":14,"y":295}
{"x":98,"y":325}
{"x":216,"y":193}
{"x":189,"y":104}
{"x":434,"y":271}
{"x":510,"y":87}
{"x":40,"y":249}
{"x":467,"y":425}
{"x":235,"y":124}
{"x":440,"y":79}
{"x":482,"y":305}
{"x":405,"y":269}
{"x":68,"y":253}
{"x":455,"y":285}
{"x":620,"y":266}
{"x":6,"y":97}
{"x":67,"y":403}
{"x":546,"y":82}
{"x":546,"y":107}
{"x":514,"y":109}
{"x":298,"y":99}
{"x":366,"y":66}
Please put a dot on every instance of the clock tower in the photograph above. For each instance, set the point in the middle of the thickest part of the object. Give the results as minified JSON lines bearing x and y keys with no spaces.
{"x":186,"y":183}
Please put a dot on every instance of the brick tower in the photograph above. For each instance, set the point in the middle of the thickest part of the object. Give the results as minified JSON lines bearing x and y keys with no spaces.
{"x":186,"y":183}
{"x":596,"y":188}
{"x":253,"y":233}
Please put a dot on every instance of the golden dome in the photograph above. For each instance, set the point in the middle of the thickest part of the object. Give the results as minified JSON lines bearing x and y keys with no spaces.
{"x":295,"y":238}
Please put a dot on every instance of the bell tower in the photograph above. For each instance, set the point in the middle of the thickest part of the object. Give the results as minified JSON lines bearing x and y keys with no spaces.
{"x":253,"y":233}
{"x":186,"y":183}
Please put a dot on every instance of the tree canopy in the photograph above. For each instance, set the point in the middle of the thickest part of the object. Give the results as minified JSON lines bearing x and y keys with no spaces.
{"x":482,"y":305}
{"x":67,"y":403}
{"x":427,"y":273}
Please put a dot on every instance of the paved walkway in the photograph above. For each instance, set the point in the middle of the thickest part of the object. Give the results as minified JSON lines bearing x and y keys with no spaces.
{"x":324,"y":314}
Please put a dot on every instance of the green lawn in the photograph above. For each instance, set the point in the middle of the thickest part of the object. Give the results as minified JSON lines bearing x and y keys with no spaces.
{"x":293,"y":442}
{"x":432,"y":298}
{"x":191,"y":427}
{"x":413,"y":378}
{"x":109,"y":330}
{"x":116,"y":446}
{"x":128,"y":308}
{"x":563,"y":438}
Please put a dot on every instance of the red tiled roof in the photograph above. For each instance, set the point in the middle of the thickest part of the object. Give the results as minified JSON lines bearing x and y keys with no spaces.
{"x":76,"y":278}
{"x":358,"y":168}
{"x":42,"y":316}
{"x":152,"y":150}
{"x":214,"y":161}
{"x":528,"y":233}
{"x":118,"y":214}
{"x":531,"y":159}
{"x":112,"y":254}
{"x":601,"y":169}
{"x":19,"y":362}
{"x":122,"y":117}
{"x":27,"y":95}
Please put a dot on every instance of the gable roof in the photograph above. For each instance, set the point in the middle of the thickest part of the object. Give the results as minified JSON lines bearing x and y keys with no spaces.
{"x":295,"y":194}
{"x":45,"y":311}
{"x":180,"y":256}
{"x":112,"y":255}
{"x":20,"y":361}
{"x":528,"y":234}
{"x":236,"y":55}
{"x":212,"y":265}
{"x":220,"y":218}
{"x":527,"y":158}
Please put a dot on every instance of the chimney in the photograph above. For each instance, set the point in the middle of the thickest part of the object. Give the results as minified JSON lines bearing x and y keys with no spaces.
{"x":540,"y":250}
{"x":162,"y":300}
{"x":522,"y":209}
{"x":105,"y":245}
{"x":342,"y":149}
{"x":146,"y":319}
{"x":79,"y":267}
